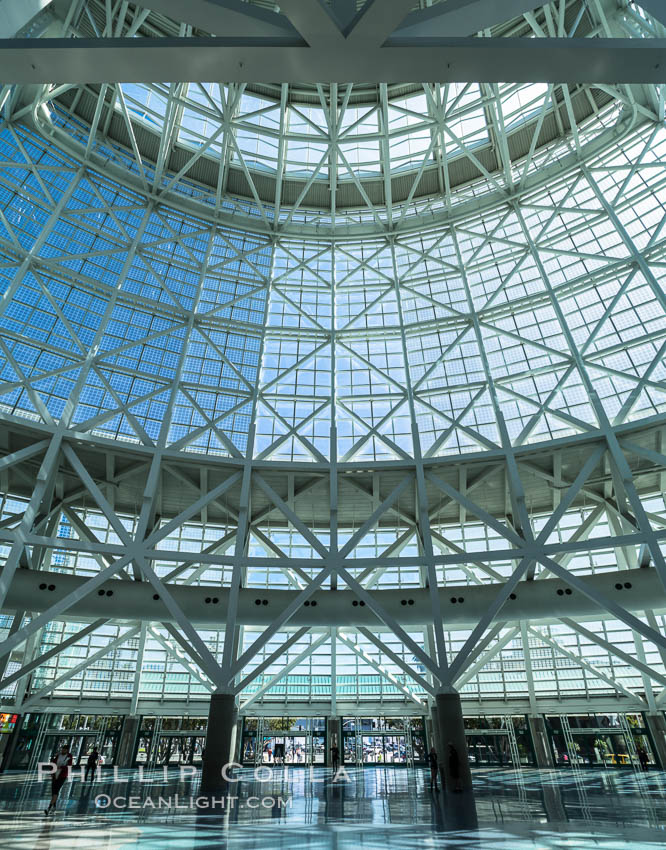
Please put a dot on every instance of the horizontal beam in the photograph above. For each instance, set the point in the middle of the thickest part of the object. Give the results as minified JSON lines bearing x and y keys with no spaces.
{"x":402,"y":59}
{"x":535,"y":601}
{"x":606,"y":703}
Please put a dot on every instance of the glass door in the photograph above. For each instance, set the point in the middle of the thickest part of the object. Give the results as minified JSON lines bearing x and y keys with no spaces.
{"x":249,"y":750}
{"x":295,"y":750}
{"x":603,"y":749}
{"x":373,"y":749}
{"x":489,"y":750}
{"x":286,"y":749}
{"x":176,"y":749}
{"x":349,"y":748}
{"x":395,"y":751}
{"x":144,"y":744}
{"x":318,"y":749}
{"x":79,"y":746}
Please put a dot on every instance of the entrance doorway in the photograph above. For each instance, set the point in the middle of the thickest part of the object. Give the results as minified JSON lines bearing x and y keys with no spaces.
{"x":602,"y":740}
{"x":384,"y":749}
{"x":383,"y":740}
{"x":283,"y":740}
{"x":485,"y":750}
{"x":501,"y":740}
{"x":284,"y":749}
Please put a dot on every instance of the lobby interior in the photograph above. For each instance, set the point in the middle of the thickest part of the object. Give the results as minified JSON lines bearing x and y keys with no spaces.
{"x":333,"y":423}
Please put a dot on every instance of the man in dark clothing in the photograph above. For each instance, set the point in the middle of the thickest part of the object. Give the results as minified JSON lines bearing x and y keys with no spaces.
{"x":335,"y":758}
{"x":434,"y":767}
{"x":91,"y":764}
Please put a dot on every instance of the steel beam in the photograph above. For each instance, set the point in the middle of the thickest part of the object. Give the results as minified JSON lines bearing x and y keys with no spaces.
{"x":491,"y":60}
{"x":135,"y":600}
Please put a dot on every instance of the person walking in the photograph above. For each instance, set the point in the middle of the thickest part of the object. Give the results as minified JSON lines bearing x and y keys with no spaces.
{"x":434,"y":768}
{"x":335,"y":758}
{"x":91,"y":764}
{"x":62,"y":763}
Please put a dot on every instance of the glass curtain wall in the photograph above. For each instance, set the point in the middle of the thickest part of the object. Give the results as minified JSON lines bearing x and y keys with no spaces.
{"x":200,"y":312}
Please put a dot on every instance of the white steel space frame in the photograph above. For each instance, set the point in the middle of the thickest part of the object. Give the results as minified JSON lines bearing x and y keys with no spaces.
{"x":32,"y":535}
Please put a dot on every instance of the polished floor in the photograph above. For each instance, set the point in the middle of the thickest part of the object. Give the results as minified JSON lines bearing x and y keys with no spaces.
{"x":380,"y":807}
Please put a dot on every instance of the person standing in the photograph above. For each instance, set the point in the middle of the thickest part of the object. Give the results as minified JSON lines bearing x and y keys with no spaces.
{"x":91,"y":764}
{"x":434,"y":767}
{"x":62,"y":763}
{"x":335,"y":758}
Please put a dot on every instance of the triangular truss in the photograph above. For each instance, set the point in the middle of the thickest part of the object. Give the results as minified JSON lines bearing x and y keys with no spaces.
{"x":336,"y":339}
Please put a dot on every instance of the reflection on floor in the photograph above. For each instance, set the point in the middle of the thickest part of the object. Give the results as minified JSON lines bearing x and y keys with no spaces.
{"x":380,"y":807}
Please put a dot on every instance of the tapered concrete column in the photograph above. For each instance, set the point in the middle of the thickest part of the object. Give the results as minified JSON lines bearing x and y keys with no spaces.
{"x":220,"y":741}
{"x":656,"y":725}
{"x":127,"y":745}
{"x":540,"y":742}
{"x":452,"y":731}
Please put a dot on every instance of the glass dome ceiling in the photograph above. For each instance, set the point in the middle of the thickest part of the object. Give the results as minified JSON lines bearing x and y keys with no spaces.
{"x":332,"y":148}
{"x":341,"y":284}
{"x":295,"y":135}
{"x":500,"y":303}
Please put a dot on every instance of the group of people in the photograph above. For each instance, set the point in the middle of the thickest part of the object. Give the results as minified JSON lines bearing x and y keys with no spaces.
{"x":62,"y":763}
{"x":278,"y":754}
{"x":453,"y":765}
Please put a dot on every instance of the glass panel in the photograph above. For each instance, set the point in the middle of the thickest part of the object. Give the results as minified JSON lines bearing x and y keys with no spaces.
{"x":644,"y":750}
{"x":373,"y":751}
{"x":109,"y":748}
{"x":279,"y":749}
{"x":395,"y":751}
{"x":419,"y":748}
{"x":489,"y":750}
{"x":194,"y":723}
{"x":268,"y":750}
{"x":143,"y":748}
{"x":249,"y":749}
{"x":349,"y":749}
{"x":295,"y":750}
{"x":318,"y":749}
